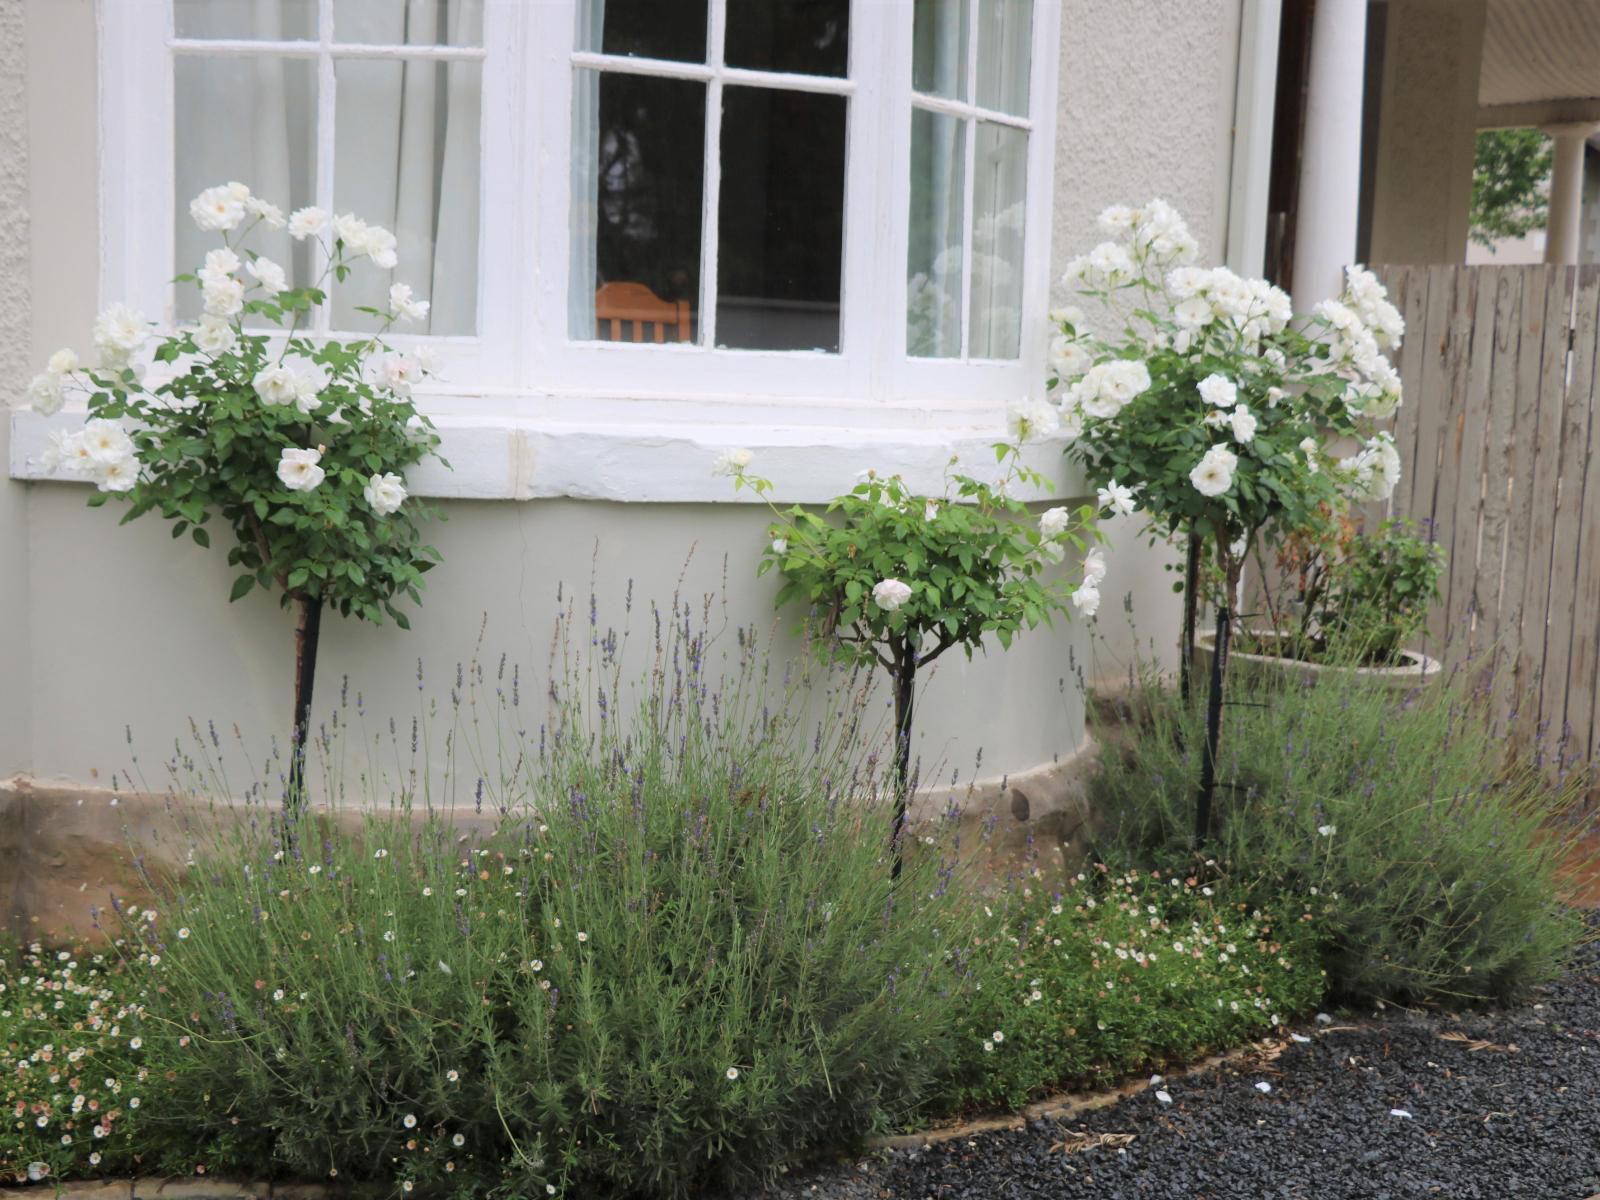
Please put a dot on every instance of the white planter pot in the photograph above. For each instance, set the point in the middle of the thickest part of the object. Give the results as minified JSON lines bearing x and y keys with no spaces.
{"x":1419,"y":670}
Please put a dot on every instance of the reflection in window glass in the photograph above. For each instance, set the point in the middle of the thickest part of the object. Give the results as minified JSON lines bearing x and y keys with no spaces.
{"x":933,"y":264}
{"x":781,"y":220}
{"x":645,"y":28}
{"x":1005,"y":36}
{"x":805,"y":37}
{"x":406,"y":157}
{"x":1000,"y":177}
{"x":638,"y":166}
{"x":249,"y":20}
{"x":409,"y":22}
{"x":251,"y":119}
{"x":939,"y":49}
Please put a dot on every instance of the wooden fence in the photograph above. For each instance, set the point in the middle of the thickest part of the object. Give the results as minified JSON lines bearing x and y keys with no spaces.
{"x":1500,"y":451}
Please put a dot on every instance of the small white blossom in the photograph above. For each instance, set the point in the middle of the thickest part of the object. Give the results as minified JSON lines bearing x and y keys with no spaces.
{"x":307,"y":222}
{"x":384,"y":494}
{"x":890,"y":594}
{"x":1117,"y":498}
{"x":268,"y":274}
{"x":403,"y":306}
{"x":732,"y":462}
{"x":298,"y":470}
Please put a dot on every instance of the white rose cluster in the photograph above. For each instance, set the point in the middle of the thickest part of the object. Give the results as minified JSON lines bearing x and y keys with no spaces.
{"x":1086,"y":596}
{"x":102,"y":449}
{"x":1372,"y":472}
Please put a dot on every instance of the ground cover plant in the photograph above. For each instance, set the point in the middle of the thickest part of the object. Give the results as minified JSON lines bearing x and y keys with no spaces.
{"x":1429,"y":860}
{"x":1122,"y":972}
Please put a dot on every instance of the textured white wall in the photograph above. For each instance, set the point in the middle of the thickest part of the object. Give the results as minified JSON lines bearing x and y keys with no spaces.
{"x":1147,"y":104}
{"x":14,"y":289}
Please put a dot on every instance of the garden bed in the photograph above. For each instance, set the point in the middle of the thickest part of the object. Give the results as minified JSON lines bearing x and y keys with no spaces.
{"x":1498,"y":1104}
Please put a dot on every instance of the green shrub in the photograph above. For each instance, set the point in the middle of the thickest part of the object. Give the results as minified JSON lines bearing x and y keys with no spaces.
{"x":1122,"y":973}
{"x":1431,"y":861}
{"x":72,"y":1075}
{"x":676,"y":963}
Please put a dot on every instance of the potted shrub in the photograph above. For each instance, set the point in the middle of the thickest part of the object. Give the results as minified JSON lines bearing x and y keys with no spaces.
{"x":1344,"y":600}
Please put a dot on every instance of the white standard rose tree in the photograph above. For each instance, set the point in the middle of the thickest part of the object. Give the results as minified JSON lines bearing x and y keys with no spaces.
{"x":1219,"y":407}
{"x":894,"y":579}
{"x":296,"y":446}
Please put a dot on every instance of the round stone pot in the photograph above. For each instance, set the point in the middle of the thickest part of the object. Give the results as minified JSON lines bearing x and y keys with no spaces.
{"x":1418,"y":671}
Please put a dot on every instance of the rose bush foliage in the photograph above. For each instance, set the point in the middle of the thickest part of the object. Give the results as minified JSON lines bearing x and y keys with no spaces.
{"x":296,"y":444}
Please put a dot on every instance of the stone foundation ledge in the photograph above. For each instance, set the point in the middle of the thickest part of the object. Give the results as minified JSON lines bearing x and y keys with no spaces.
{"x":64,"y":850}
{"x":191,"y":1188}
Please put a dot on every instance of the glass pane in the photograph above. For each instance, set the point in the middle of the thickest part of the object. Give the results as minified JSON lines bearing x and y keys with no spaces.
{"x":807,"y":37}
{"x":933,"y":266}
{"x":999,"y":186}
{"x":781,"y":223}
{"x":1005,"y":37}
{"x":409,"y":22}
{"x":253,"y":20}
{"x":406,"y":158}
{"x":645,"y":28}
{"x":251,"y":120}
{"x":939,"y":48}
{"x":638,"y":174}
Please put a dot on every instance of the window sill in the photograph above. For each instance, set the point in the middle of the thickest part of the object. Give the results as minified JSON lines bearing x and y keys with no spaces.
{"x":525,"y":458}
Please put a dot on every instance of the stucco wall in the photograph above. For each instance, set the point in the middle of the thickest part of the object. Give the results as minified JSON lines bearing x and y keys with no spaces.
{"x":125,"y":626}
{"x":14,"y":293}
{"x":1147,"y":109}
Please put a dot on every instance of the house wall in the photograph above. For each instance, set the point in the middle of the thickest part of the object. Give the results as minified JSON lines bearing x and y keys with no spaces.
{"x":123,"y":627}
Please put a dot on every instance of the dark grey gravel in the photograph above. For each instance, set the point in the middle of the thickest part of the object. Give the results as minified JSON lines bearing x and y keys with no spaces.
{"x":1486,"y":1122}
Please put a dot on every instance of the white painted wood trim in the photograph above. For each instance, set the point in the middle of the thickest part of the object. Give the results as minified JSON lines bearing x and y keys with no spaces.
{"x":1250,"y":178}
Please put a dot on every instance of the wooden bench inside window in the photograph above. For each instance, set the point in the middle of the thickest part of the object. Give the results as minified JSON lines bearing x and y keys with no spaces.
{"x":633,"y":303}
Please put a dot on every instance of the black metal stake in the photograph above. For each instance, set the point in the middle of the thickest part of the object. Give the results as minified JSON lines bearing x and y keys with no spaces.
{"x":905,"y":683}
{"x":307,"y":631}
{"x":1191,"y":609}
{"x":1208,"y":761}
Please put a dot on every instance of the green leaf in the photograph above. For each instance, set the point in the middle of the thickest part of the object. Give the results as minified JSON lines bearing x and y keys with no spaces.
{"x":200,"y":536}
{"x":241,"y":586}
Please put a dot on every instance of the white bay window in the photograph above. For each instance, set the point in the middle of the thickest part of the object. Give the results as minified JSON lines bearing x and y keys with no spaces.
{"x":668,"y":214}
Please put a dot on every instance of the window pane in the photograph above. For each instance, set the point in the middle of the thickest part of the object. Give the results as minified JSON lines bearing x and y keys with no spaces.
{"x":406,"y":158}
{"x":645,"y":28}
{"x":1005,"y":36}
{"x":638,"y":174}
{"x":933,"y":266}
{"x":781,"y":220}
{"x":1000,"y":177}
{"x":807,"y":37}
{"x":939,"y":48}
{"x":254,"y":20}
{"x":251,"y":120}
{"x":409,"y":22}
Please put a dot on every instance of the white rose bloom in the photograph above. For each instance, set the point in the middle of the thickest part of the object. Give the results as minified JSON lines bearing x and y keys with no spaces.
{"x":277,"y":385}
{"x":218,"y":209}
{"x":1308,"y":447}
{"x":1117,"y":498}
{"x":45,"y":393}
{"x":223,"y":297}
{"x":731,"y":462}
{"x":1069,"y":314}
{"x":1193,"y":313}
{"x":106,"y":441}
{"x":890,"y":594}
{"x":1069,"y":358}
{"x":118,"y":332}
{"x":1071,"y":422}
{"x":1184,"y":283}
{"x":220,"y":264}
{"x":1243,"y":422}
{"x":298,"y":470}
{"x":381,"y":248}
{"x":117,"y":475}
{"x":65,"y":450}
{"x":62,"y":362}
{"x":1032,"y":419}
{"x":1086,"y":599}
{"x":930,"y":510}
{"x":269,"y":275}
{"x":1053,"y":522}
{"x":215,"y":335}
{"x":1274,"y":394}
{"x":307,"y":222}
{"x":352,"y":231}
{"x":1213,"y":474}
{"x":271,"y":215}
{"x":1115,"y":220}
{"x":394,"y":372}
{"x":1094,"y":567}
{"x":384,"y":494}
{"x":1218,"y":391}
{"x":780,"y":545}
{"x":403,"y":306}
{"x":309,"y":380}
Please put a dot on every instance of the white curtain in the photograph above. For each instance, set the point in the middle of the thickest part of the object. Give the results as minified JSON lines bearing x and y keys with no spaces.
{"x":938,"y":166}
{"x":406,"y":142}
{"x":585,"y":167}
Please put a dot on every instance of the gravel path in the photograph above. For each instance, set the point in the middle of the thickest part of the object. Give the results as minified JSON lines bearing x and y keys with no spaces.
{"x":1503,"y":1105}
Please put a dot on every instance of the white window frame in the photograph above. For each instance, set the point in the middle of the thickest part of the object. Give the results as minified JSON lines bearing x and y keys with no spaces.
{"x":521,"y":364}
